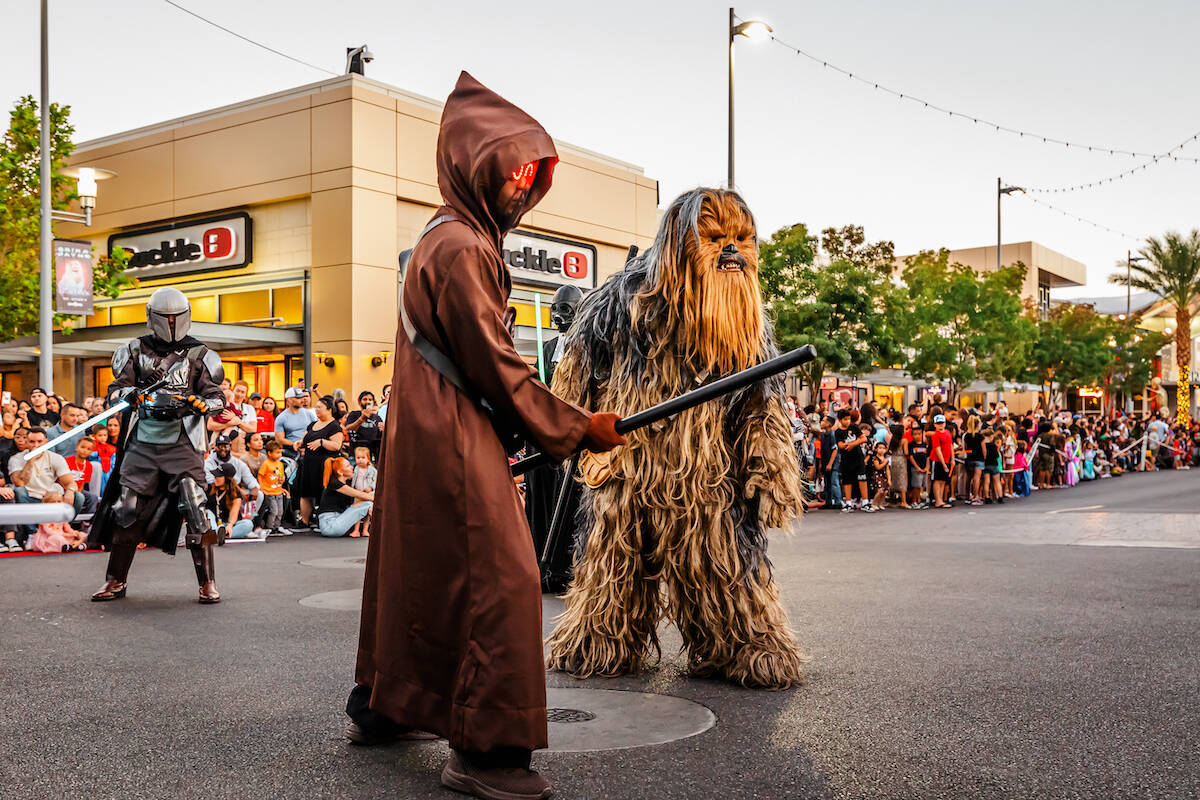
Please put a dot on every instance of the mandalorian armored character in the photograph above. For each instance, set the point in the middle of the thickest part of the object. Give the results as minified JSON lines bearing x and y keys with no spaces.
{"x":542,"y":484}
{"x":173,"y":383}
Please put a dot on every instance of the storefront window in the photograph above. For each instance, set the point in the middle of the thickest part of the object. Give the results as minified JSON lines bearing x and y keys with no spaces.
{"x":889,"y":397}
{"x":246,"y":307}
{"x":101,"y":378}
{"x":289,"y":305}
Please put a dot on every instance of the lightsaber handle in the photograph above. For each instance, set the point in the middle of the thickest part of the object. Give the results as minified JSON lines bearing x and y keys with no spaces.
{"x":711,"y":391}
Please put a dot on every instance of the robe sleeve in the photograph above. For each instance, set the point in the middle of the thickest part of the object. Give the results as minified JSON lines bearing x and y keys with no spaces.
{"x":470,"y":308}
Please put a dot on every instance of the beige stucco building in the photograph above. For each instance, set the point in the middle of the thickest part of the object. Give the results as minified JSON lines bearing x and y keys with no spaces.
{"x":282,"y":218}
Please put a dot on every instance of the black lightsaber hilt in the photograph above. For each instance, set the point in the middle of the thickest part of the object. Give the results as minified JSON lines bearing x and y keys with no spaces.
{"x":710,"y":391}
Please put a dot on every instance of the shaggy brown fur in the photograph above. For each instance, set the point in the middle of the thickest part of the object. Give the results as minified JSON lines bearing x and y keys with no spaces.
{"x":679,"y":527}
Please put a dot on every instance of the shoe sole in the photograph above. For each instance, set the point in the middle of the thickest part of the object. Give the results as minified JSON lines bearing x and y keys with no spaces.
{"x":468,"y":785}
{"x":361,"y":739}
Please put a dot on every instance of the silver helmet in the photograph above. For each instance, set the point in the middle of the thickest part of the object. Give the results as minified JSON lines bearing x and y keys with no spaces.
{"x":169,"y":314}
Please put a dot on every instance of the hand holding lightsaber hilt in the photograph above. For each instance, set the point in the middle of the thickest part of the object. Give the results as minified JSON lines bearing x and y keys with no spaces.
{"x":688,"y":400}
{"x":86,"y":425}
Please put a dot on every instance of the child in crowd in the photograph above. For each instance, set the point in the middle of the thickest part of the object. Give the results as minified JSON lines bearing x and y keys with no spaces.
{"x":1020,"y":478}
{"x":56,"y":537}
{"x":80,"y":464}
{"x":1008,"y":450}
{"x":917,"y":452}
{"x":993,"y":463}
{"x":272,"y":484}
{"x":364,"y":481}
{"x":878,"y":469}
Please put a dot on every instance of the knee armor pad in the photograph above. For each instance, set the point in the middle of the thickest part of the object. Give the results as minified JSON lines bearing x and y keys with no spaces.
{"x":126,"y":510}
{"x":191,"y":506}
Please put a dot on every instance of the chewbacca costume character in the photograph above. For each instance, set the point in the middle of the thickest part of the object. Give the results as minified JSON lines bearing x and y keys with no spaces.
{"x":685,"y":506}
{"x":451,"y":632}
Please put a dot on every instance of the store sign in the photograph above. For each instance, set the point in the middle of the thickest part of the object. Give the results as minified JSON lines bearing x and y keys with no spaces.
{"x":194,"y":245}
{"x":542,"y":260}
{"x":72,"y":277}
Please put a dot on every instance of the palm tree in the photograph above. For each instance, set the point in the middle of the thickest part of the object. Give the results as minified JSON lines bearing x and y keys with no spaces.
{"x":1172,"y":270}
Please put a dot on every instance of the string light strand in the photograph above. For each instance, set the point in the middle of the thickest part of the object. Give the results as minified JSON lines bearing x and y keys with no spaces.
{"x":1078,"y":187}
{"x":1078,"y":218}
{"x":246,"y":38}
{"x":1091,"y":148}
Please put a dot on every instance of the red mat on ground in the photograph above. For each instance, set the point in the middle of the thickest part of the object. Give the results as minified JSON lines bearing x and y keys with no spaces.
{"x":32,"y":553}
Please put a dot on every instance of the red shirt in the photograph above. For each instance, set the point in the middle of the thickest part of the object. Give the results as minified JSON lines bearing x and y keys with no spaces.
{"x":106,"y":452}
{"x":266,"y":421}
{"x":943,"y":441}
{"x":82,"y":470}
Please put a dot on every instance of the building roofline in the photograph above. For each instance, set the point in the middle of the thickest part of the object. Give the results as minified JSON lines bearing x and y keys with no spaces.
{"x":311,"y":89}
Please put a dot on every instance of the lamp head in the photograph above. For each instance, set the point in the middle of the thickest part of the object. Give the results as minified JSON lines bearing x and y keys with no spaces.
{"x":754,"y":30}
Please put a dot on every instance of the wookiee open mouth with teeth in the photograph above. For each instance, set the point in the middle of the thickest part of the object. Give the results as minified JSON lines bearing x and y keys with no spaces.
{"x":731,"y":262}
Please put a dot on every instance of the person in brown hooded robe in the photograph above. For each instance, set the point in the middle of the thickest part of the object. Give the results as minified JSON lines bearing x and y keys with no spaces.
{"x":451,"y":631}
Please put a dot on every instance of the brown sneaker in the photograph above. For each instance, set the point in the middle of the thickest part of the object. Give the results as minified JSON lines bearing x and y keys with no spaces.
{"x":505,"y":783}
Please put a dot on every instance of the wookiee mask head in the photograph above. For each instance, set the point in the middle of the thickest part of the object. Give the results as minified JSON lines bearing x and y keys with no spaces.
{"x":704,"y":263}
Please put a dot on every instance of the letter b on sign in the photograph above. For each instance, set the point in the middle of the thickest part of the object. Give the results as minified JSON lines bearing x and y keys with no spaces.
{"x":218,"y":243}
{"x":575,"y":264}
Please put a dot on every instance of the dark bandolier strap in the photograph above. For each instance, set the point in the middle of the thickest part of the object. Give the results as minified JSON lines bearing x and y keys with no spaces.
{"x":436,"y":358}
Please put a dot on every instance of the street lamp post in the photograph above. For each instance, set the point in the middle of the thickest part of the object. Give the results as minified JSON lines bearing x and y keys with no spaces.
{"x":1002,"y":190}
{"x":85,"y":188}
{"x":756,"y":31}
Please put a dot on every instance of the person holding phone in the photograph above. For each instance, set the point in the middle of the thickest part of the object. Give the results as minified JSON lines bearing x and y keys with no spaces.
{"x":363,"y":426}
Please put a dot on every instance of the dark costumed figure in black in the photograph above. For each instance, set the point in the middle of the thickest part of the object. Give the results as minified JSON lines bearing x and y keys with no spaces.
{"x":543,"y":484}
{"x":172,"y":383}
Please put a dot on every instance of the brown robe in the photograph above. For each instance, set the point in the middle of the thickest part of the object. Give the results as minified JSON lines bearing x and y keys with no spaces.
{"x":451,"y":636}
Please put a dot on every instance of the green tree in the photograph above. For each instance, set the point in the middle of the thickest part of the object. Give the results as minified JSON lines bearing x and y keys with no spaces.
{"x":1072,"y":348}
{"x":957,"y":325}
{"x":20,"y":193}
{"x":1132,"y":366}
{"x":1172,"y":270}
{"x":840,"y":308}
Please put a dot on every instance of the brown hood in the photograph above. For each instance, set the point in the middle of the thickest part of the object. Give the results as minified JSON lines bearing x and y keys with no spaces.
{"x":482,"y":140}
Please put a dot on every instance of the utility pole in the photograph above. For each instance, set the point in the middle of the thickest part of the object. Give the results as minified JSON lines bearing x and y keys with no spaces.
{"x":45,"y":315}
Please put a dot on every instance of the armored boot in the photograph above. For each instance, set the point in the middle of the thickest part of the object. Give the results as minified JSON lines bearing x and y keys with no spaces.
{"x":200,"y":538}
{"x":120,"y":558}
{"x":202,"y":558}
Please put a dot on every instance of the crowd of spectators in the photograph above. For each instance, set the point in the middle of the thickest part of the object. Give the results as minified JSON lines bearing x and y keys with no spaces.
{"x":867,"y":459}
{"x":307,"y":465}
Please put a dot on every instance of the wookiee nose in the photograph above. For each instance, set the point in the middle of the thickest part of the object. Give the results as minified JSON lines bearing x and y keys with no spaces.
{"x":729,"y":250}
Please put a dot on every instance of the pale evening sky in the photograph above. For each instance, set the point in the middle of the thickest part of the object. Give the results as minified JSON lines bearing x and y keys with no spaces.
{"x":646,"y":83}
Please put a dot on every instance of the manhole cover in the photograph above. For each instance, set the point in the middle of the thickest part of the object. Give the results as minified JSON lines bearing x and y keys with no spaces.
{"x":337,"y":562}
{"x":583,"y":720}
{"x":346,"y":600}
{"x":565,"y":715}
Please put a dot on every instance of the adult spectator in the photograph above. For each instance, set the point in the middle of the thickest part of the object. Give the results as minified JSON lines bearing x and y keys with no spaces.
{"x":72,"y":417}
{"x":321,"y":441}
{"x":114,"y":430}
{"x":7,"y":495}
{"x":244,"y":409}
{"x":8,"y":431}
{"x":363,"y":426}
{"x":32,"y":478}
{"x":385,"y":394}
{"x":342,"y":506}
{"x":941,"y":447}
{"x":223,"y":454}
{"x":1157,"y":433}
{"x":40,"y":415}
{"x":291,"y":424}
{"x":224,"y":504}
{"x":264,"y":412}
{"x":253,"y":455}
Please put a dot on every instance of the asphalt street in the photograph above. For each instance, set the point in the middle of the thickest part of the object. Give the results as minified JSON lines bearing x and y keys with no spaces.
{"x":1047,"y":648}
